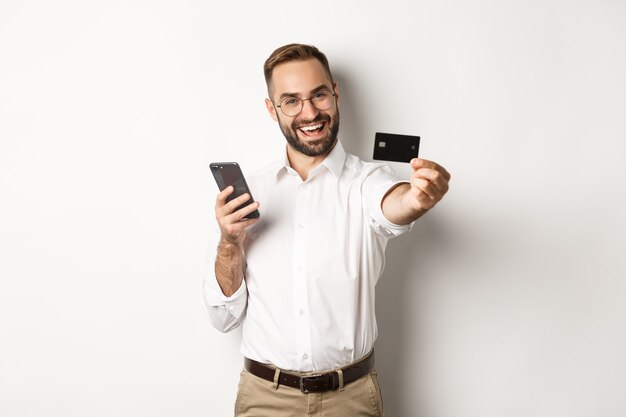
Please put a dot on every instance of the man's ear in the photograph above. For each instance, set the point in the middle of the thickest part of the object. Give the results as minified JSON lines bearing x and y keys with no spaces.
{"x":336,"y":88}
{"x":271,"y":109}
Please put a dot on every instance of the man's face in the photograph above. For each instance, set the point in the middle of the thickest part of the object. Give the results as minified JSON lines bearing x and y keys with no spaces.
{"x":312,"y":132}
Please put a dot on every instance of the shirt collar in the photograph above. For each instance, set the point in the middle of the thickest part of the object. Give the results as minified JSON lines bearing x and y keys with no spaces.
{"x":335,"y":159}
{"x":333,"y":162}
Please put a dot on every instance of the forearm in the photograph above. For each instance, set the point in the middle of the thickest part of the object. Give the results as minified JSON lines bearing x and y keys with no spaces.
{"x":397,"y":207}
{"x":229,"y":267}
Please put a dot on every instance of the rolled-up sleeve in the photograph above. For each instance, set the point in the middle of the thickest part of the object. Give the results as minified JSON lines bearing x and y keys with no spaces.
{"x":377,"y":184}
{"x":225,"y":313}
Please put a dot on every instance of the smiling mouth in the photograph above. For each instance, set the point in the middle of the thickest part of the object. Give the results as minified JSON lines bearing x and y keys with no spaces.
{"x":312,"y":129}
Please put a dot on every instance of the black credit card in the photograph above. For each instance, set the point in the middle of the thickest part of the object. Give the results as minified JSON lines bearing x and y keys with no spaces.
{"x":399,"y":148}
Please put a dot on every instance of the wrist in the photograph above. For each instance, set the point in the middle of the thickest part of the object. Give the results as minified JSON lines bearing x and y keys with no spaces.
{"x":230,"y":243}
{"x":412,"y":206}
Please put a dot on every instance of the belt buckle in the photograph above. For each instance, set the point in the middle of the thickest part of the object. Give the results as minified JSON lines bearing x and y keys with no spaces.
{"x":330,"y":383}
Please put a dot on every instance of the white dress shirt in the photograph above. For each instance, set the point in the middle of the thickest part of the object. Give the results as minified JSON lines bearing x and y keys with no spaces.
{"x":313,"y":260}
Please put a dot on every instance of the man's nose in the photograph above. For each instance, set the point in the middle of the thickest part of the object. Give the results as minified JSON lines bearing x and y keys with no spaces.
{"x":308,"y":110}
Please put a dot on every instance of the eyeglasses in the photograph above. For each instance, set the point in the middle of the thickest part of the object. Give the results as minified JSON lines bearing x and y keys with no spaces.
{"x":321,"y":100}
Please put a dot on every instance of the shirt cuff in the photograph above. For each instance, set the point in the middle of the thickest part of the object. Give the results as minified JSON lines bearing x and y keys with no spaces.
{"x":215,"y":298}
{"x":381,"y":223}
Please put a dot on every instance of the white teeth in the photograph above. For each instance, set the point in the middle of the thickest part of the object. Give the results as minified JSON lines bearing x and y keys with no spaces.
{"x":309,"y":128}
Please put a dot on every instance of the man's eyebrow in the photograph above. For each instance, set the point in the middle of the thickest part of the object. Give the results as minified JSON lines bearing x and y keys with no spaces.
{"x":315,"y":90}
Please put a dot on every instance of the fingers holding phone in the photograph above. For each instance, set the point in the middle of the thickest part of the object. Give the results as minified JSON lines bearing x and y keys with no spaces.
{"x":233,"y":216}
{"x":235,"y":209}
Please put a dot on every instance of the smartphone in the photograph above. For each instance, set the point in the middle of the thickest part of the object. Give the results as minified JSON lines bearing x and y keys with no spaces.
{"x":229,"y":173}
{"x":398,"y":148}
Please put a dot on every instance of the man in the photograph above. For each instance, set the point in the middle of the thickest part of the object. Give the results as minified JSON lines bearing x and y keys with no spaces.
{"x":302,"y":277}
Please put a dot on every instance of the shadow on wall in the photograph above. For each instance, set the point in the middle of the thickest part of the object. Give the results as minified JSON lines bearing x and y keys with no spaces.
{"x":406,"y":271}
{"x":352,"y":131}
{"x":399,"y":294}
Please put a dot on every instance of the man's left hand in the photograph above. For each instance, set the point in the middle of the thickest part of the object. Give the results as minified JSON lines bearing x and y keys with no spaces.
{"x":429,"y":183}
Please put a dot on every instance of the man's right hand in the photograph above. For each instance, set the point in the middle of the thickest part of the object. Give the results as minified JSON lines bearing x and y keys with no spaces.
{"x":230,"y":261}
{"x":231,"y":222}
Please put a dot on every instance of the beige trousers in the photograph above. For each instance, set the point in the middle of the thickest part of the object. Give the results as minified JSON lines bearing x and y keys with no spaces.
{"x":257,"y":398}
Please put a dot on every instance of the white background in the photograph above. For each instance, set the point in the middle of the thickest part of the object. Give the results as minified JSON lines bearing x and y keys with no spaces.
{"x":507,"y":300}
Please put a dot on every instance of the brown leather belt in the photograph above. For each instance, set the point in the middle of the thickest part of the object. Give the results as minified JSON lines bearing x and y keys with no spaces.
{"x":328,"y":381}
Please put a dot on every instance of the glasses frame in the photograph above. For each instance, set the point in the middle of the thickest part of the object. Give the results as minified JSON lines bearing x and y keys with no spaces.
{"x":302,"y":101}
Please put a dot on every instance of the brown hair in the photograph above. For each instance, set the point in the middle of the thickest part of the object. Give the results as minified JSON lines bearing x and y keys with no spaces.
{"x":293,"y":52}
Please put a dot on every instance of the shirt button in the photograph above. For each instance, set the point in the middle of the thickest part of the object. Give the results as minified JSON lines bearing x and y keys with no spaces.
{"x":299,"y":268}
{"x":300,"y":225}
{"x":305,"y":356}
{"x":301,"y":312}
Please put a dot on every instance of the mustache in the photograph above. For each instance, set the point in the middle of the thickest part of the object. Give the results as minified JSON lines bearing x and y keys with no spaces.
{"x":319,"y":118}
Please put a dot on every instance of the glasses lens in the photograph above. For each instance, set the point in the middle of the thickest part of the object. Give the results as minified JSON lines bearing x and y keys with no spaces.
{"x":291,"y":106}
{"x":322,"y":100}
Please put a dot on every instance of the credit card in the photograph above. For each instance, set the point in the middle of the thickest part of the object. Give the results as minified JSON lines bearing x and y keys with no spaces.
{"x":397,"y":148}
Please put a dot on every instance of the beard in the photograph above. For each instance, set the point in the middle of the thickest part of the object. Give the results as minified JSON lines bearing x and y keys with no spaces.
{"x":318,"y":147}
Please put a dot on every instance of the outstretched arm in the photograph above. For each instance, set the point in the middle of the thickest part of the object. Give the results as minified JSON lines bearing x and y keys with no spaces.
{"x":408,"y":201}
